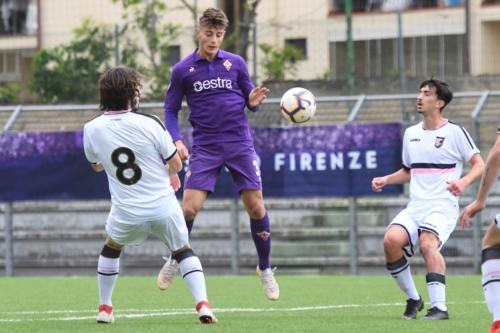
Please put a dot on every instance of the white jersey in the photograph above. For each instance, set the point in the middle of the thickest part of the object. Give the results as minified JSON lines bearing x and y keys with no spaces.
{"x":131,"y":147}
{"x":435,"y":157}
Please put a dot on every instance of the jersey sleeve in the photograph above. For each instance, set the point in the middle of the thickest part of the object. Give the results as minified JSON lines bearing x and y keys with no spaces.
{"x":405,"y":156}
{"x":466,"y":146}
{"x":164,"y":142}
{"x":87,"y":146}
{"x":173,"y":104}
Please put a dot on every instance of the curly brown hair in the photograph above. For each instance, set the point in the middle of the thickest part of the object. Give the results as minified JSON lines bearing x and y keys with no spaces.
{"x":214,"y":17}
{"x":119,"y":88}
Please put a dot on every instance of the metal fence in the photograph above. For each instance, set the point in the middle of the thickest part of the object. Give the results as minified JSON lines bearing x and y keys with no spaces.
{"x":477,"y":111}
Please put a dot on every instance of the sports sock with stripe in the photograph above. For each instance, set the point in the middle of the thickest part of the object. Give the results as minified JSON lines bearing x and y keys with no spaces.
{"x":400,"y":271}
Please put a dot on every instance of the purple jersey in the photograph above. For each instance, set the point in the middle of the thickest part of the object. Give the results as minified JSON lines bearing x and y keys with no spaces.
{"x":216,"y":93}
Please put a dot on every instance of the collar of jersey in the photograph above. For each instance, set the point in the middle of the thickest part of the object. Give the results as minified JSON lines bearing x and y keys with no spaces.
{"x":116,"y":112}
{"x":445,"y":121}
{"x":220,"y":55}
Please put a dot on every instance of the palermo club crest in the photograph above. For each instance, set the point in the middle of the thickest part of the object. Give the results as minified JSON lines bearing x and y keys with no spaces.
{"x":439,"y":141}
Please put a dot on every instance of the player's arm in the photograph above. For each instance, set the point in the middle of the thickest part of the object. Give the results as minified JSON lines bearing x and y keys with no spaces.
{"x":469,"y":153}
{"x":172,"y":106}
{"x":166,"y":148}
{"x":399,"y":177}
{"x":89,"y":152}
{"x":490,"y":176}
{"x":174,"y":165}
{"x":456,"y":187}
{"x":491,"y":171}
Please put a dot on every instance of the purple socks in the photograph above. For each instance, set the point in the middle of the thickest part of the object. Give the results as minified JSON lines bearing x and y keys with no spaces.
{"x":261,"y":234}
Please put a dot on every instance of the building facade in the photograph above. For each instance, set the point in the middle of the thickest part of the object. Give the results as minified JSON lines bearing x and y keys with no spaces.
{"x":439,"y":37}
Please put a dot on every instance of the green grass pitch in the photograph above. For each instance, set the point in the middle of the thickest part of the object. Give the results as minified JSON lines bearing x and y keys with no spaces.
{"x":325,"y":303}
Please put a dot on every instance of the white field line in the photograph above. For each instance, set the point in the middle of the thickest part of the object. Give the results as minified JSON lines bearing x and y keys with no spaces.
{"x":141,"y":313}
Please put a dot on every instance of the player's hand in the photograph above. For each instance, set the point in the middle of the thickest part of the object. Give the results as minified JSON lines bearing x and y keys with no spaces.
{"x":97,"y":167}
{"x":175,"y":182}
{"x":378,"y":183}
{"x":182,"y":150}
{"x":257,"y":95}
{"x":469,"y":212}
{"x":456,"y":187}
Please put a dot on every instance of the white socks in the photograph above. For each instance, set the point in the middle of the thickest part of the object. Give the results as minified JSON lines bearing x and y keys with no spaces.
{"x":400,"y":271}
{"x":107,"y":273}
{"x":192,"y":273}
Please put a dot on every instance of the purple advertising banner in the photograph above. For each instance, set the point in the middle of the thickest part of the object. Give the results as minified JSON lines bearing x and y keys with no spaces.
{"x":298,"y":161}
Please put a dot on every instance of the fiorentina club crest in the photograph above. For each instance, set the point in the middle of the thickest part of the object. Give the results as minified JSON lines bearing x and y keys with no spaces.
{"x":264,"y":235}
{"x":439,"y":141}
{"x":227,"y":64}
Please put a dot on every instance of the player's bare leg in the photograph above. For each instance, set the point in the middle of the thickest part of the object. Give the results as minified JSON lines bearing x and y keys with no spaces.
{"x":490,"y":267}
{"x":261,"y":235}
{"x":192,"y":203}
{"x":394,"y":240}
{"x":435,"y":278}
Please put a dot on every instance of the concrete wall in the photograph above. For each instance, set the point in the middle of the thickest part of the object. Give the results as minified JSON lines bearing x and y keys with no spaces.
{"x":309,"y":236}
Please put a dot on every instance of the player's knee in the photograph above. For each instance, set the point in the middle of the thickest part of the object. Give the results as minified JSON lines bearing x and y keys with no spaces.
{"x":112,"y":244}
{"x":256,"y":210}
{"x":393,"y":241}
{"x":428,"y":248}
{"x":491,"y":238}
{"x":190,"y":211}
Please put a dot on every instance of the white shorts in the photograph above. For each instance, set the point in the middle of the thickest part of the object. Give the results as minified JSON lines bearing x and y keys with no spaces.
{"x":169,"y":226}
{"x":438,"y":217}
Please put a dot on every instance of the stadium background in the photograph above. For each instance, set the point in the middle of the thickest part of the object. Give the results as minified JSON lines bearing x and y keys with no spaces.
{"x":454,"y":40}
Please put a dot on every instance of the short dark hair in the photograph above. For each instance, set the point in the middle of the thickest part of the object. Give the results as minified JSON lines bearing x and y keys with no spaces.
{"x":119,"y":88}
{"x":214,"y":17}
{"x":442,"y":89}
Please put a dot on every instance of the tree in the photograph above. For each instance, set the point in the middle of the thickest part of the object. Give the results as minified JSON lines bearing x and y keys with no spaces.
{"x":278,"y":62}
{"x":70,"y":72}
{"x":243,"y":25}
{"x":193,"y":9}
{"x":9,"y":93}
{"x":145,"y":18}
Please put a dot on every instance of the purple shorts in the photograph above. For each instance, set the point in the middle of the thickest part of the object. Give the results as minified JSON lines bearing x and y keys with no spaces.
{"x":207,"y":161}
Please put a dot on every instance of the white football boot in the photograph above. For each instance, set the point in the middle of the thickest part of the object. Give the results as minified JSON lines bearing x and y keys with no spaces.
{"x":167,"y":273}
{"x":269,"y":284}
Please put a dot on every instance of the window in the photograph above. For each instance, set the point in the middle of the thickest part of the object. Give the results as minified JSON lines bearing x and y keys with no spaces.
{"x":358,"y":6}
{"x":9,"y":66}
{"x":300,"y":44}
{"x":18,"y":17}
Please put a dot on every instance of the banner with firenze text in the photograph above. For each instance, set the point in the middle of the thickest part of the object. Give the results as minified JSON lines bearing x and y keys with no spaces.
{"x":296,"y":161}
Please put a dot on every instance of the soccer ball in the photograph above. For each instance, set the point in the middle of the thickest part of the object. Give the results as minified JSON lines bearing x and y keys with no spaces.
{"x":298,"y":105}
